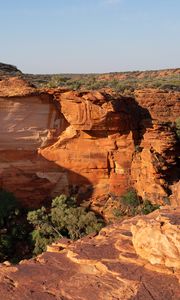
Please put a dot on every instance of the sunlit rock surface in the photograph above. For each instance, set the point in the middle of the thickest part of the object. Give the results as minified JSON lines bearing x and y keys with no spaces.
{"x":157,"y":239}
{"x":28,"y":121}
{"x":97,"y":267}
{"x":90,"y":144}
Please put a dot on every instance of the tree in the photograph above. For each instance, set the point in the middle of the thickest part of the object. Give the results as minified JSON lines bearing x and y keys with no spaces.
{"x":64,"y":219}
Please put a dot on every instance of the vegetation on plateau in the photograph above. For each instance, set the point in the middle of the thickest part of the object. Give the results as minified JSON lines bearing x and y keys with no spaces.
{"x":124,"y":83}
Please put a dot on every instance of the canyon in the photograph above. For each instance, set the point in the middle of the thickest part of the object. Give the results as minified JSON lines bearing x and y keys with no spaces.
{"x":94,"y":145}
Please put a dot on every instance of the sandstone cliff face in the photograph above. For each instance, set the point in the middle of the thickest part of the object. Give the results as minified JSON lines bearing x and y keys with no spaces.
{"x":99,"y":142}
{"x":118,"y":142}
{"x":154,"y":167}
{"x":105,"y":267}
{"x":89,"y":144}
{"x":28,"y":120}
{"x":163,"y":106}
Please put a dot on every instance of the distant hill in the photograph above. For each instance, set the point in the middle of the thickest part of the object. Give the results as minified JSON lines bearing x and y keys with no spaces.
{"x":121,"y":82}
{"x":8,"y":70}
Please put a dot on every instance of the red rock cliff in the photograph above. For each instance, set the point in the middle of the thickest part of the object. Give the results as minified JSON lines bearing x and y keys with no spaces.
{"x":91,"y":144}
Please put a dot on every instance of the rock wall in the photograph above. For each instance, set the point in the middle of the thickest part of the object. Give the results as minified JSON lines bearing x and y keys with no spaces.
{"x":89,"y":144}
{"x":99,"y":143}
{"x":28,"y":122}
{"x":155,"y":163}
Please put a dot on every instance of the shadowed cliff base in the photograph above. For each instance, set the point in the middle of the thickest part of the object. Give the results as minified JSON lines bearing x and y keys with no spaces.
{"x":42,"y":181}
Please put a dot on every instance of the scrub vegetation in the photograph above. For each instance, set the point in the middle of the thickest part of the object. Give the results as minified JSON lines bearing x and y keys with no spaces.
{"x":123,"y":82}
{"x":26,"y":233}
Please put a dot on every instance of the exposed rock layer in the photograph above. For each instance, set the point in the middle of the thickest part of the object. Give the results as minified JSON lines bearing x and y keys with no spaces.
{"x":158,"y":239}
{"x":105,"y":267}
{"x":90,"y":144}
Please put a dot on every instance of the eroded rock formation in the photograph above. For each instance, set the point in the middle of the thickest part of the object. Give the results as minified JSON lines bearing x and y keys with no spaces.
{"x":105,"y":267}
{"x":157,"y":238}
{"x":94,"y":145}
{"x":90,"y":144}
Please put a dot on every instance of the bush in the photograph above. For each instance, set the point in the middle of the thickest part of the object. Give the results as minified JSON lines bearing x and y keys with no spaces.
{"x":56,"y":81}
{"x":64,"y":219}
{"x":130,"y":204}
{"x":148,"y":207}
{"x":130,"y":198}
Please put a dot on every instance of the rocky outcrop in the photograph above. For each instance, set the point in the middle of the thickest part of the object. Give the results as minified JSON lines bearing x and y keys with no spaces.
{"x":153,"y":162}
{"x":90,"y":144}
{"x":163,"y":106}
{"x":8,"y":70}
{"x":99,"y":143}
{"x":103,"y":267}
{"x":175,"y":197}
{"x":157,"y":238}
{"x":123,"y":138}
{"x":16,"y":86}
{"x":154,"y":165}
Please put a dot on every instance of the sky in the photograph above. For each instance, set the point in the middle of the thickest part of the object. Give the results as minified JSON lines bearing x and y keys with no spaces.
{"x":90,"y":36}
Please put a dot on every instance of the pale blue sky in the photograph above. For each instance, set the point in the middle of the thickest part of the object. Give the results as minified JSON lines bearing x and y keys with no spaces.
{"x":83,"y":36}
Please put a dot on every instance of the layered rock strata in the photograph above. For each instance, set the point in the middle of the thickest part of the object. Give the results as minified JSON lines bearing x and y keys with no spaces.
{"x":105,"y":267}
{"x":28,"y":121}
{"x":90,"y":144}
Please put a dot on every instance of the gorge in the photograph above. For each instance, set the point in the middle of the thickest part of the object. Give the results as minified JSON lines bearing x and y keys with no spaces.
{"x":94,"y":145}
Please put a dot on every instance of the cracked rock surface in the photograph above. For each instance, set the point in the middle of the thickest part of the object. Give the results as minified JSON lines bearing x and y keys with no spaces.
{"x":103,"y":267}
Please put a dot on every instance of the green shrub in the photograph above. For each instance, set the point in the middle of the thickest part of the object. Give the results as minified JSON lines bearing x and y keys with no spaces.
{"x":130,"y":198}
{"x":130,"y":204}
{"x":117,"y":213}
{"x":148,"y":207}
{"x":57,"y":80}
{"x":64,"y":218}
